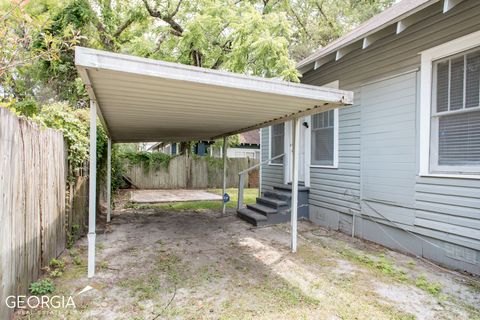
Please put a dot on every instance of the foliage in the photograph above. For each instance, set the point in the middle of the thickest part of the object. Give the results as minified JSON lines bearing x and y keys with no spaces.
{"x":71,"y":235}
{"x":23,"y":42}
{"x":57,"y":264}
{"x":75,"y":128}
{"x":255,"y":37}
{"x":149,"y":160}
{"x":27,"y":107}
{"x":316,"y":23}
{"x":42,"y":287}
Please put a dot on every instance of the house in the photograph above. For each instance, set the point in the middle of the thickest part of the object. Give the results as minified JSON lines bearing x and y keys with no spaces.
{"x":401,"y":167}
{"x":248,"y":147}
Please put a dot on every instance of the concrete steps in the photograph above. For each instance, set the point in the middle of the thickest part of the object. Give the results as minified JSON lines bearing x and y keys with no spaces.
{"x":274,"y":206}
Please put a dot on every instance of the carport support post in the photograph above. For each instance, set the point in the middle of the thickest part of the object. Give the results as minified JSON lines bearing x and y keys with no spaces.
{"x":109,"y":178}
{"x":92,"y":197}
{"x":294,"y":209}
{"x":224,"y":188}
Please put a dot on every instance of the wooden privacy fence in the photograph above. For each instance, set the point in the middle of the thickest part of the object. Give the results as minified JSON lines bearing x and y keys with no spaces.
{"x":33,"y":180}
{"x":185,"y":172}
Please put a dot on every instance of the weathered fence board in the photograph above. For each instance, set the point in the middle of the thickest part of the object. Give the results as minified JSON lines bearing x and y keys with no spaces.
{"x":32,"y":202}
{"x":190,"y":173}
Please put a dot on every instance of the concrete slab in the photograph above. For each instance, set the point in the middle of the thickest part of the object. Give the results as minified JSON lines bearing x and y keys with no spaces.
{"x":177,"y":195}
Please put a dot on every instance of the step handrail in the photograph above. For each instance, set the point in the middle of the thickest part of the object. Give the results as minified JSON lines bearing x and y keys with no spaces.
{"x":241,"y":178}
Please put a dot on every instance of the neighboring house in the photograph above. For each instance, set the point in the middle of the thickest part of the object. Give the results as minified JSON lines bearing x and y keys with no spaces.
{"x":402,"y":163}
{"x":164,"y":147}
{"x":248,"y":147}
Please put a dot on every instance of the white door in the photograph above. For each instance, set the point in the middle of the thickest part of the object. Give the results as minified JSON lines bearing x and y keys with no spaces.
{"x":301,"y":154}
{"x":302,"y":161}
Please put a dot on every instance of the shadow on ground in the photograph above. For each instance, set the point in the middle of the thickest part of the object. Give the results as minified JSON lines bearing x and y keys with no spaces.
{"x":156,"y":264}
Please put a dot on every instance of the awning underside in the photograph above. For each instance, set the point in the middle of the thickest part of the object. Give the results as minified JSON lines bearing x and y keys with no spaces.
{"x":142,"y":100}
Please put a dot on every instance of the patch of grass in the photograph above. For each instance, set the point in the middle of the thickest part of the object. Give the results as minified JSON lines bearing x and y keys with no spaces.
{"x":315,"y":256}
{"x":381,"y":264}
{"x":144,"y":287}
{"x":249,"y":197}
{"x":206,"y":273}
{"x":284,"y":294}
{"x":170,"y":265}
{"x":167,"y":273}
{"x":432,"y":288}
{"x":103,"y":265}
{"x":474,"y":286}
{"x":386,"y":267}
{"x":411,"y":264}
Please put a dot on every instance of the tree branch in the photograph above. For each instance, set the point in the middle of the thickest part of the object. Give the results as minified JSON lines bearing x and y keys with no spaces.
{"x":168,"y":18}
{"x":122,"y":27}
{"x":320,"y":9}
{"x":300,"y":21}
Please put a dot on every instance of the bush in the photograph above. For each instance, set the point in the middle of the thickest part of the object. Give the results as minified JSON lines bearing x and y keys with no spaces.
{"x":42,"y":287}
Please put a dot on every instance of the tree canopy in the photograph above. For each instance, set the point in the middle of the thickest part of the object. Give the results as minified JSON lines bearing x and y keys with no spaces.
{"x":38,"y":78}
{"x":257,"y":37}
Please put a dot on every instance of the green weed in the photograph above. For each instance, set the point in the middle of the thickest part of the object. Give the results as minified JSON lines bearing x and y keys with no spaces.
{"x":42,"y":287}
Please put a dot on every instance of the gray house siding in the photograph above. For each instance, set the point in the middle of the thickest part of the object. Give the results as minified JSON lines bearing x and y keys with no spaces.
{"x":271,"y":174}
{"x":377,"y":182}
{"x":395,"y":54}
{"x":338,"y":190}
{"x":388,"y":148}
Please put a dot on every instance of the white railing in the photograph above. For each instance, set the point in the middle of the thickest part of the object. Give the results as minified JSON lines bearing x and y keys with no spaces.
{"x":241,"y":180}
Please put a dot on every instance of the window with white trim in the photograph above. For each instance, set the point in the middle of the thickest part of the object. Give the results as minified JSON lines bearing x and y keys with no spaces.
{"x":455,"y":113}
{"x":323,"y":138}
{"x":277,"y":142}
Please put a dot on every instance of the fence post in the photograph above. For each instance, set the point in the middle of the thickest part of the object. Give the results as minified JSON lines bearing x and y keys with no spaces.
{"x":240,"y":191}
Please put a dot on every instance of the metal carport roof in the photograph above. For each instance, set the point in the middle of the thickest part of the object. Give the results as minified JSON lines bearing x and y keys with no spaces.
{"x":145,"y":100}
{"x":142,"y":100}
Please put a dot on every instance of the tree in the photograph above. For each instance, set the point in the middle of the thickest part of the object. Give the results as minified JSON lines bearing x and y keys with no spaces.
{"x":231,"y":35}
{"x":21,"y":24}
{"x":319,"y":22}
{"x":257,"y":37}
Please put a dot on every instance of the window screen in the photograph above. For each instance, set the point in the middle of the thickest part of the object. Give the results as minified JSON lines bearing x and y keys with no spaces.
{"x":456,"y":113}
{"x":323,"y":138}
{"x":277,"y":142}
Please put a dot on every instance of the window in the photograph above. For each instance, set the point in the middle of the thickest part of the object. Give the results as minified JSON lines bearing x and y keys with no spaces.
{"x":450,"y":109}
{"x":455,"y":123}
{"x":277,"y":142}
{"x":323,"y":138}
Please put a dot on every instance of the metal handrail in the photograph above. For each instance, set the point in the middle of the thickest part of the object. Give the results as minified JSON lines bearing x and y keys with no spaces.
{"x":241,"y":178}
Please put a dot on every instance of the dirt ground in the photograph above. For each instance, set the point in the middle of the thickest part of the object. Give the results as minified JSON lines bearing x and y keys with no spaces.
{"x":160,"y":264}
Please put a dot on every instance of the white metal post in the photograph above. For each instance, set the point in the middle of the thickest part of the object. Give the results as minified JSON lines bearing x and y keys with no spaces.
{"x":224,"y":188}
{"x":109,"y":179}
{"x":92,"y":189}
{"x":295,"y":144}
{"x":260,"y":168}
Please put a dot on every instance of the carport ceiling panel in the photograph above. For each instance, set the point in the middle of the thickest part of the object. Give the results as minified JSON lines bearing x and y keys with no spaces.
{"x":140,"y":103}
